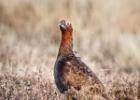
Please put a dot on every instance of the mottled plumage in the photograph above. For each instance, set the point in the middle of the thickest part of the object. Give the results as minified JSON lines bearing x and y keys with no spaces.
{"x":69,"y":70}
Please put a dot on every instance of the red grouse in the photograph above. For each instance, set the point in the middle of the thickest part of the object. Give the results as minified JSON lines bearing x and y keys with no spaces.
{"x":70,"y":71}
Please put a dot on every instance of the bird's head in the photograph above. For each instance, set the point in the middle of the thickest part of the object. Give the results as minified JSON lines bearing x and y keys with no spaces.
{"x":65,"y":26}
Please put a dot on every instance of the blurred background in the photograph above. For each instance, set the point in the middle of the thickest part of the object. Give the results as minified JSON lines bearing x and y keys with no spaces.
{"x":106,"y":36}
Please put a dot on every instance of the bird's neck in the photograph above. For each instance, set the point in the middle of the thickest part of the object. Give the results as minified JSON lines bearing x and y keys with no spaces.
{"x":66,"y":46}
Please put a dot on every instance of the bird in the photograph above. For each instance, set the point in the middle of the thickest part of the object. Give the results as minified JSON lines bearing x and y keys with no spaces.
{"x":69,"y":70}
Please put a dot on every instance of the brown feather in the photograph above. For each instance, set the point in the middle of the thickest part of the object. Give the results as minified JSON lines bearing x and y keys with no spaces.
{"x":69,"y":70}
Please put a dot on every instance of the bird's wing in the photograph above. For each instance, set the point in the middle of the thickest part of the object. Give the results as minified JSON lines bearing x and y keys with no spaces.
{"x":76,"y":74}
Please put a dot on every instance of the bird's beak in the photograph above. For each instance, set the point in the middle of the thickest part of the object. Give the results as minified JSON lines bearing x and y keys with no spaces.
{"x":62,"y":25}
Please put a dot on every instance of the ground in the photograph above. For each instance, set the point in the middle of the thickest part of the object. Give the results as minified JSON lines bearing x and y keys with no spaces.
{"x":108,"y":42}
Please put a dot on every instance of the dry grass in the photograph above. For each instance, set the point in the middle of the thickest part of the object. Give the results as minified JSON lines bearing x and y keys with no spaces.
{"x":106,"y":35}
